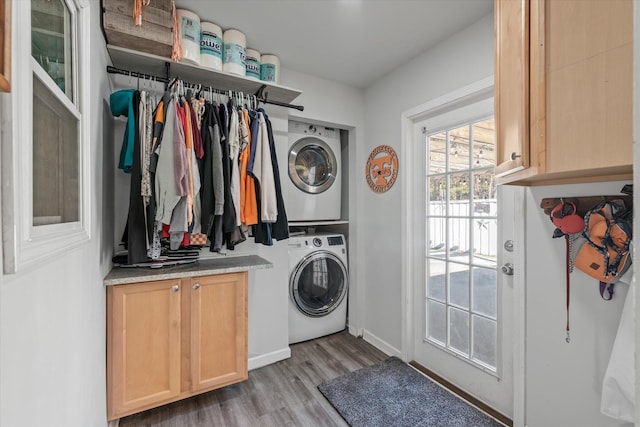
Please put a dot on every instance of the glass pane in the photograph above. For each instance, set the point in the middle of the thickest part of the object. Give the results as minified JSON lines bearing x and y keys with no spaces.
{"x":320,"y":285}
{"x":437,"y":153}
{"x":55,"y":159}
{"x":51,"y":44}
{"x":458,"y":243}
{"x":436,"y":321}
{"x":459,"y":188}
{"x":484,"y":190}
{"x":485,"y":242}
{"x":436,"y":235}
{"x":436,"y":280}
{"x":459,"y":148}
{"x":459,"y":330}
{"x":459,"y":285}
{"x":437,"y":201}
{"x":485,"y":292}
{"x":485,"y":340}
{"x":484,"y":144}
{"x":314,"y":165}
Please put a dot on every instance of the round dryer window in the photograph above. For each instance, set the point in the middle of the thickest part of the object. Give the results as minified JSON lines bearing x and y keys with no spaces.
{"x":319,"y":283}
{"x":312,"y":165}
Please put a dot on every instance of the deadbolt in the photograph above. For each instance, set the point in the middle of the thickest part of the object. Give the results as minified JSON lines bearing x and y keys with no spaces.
{"x":508,"y":245}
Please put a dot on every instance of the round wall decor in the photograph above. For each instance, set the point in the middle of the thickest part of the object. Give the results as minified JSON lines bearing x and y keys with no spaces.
{"x":382,"y":168}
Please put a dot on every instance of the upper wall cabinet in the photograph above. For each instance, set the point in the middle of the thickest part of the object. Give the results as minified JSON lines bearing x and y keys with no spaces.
{"x":564,"y":79}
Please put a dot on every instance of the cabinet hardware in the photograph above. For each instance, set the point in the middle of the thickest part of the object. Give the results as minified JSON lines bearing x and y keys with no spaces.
{"x":196,"y":286}
{"x":175,"y":288}
{"x":515,"y":156}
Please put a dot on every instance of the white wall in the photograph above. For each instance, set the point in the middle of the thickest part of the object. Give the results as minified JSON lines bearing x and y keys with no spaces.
{"x":564,"y":381}
{"x":463,"y":59}
{"x":52,"y":317}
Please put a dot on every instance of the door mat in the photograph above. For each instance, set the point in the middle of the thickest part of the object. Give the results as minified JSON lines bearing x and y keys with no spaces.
{"x":394,"y":394}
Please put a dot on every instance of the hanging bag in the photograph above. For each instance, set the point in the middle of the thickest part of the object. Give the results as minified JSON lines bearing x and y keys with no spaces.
{"x":602,"y":251}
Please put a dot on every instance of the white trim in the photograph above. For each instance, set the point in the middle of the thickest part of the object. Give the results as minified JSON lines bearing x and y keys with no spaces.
{"x":256,"y":362}
{"x":381,"y":345}
{"x":519,"y":314}
{"x":23,"y":244}
{"x":408,"y":119}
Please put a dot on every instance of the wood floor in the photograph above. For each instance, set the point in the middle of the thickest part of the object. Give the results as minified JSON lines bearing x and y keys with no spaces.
{"x":281,"y":394}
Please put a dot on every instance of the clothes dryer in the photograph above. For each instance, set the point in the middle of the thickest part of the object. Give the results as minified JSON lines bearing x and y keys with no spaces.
{"x":318,"y":286}
{"x":310,"y":172}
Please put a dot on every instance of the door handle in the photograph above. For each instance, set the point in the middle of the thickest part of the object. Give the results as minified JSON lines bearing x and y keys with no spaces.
{"x":507,"y":269}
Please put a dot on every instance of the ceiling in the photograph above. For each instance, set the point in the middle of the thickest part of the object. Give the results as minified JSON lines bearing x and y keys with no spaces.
{"x":354,"y":42}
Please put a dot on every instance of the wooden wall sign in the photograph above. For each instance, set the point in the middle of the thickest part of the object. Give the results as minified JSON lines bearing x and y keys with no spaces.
{"x":382,"y":168}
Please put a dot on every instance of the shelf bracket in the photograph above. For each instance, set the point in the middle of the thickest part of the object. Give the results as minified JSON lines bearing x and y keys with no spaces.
{"x":167,"y":69}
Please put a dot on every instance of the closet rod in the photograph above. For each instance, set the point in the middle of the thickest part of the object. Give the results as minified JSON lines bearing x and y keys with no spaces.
{"x":259,"y":94}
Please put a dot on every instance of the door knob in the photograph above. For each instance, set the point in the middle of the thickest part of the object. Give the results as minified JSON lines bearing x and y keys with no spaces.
{"x":508,"y":269}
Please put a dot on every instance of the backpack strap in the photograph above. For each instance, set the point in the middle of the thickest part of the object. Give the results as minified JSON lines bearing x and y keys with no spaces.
{"x":568,"y":275}
{"x":606,"y":287}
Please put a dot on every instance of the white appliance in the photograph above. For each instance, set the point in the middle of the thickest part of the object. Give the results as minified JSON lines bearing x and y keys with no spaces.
{"x":310,"y":172}
{"x":318,"y":286}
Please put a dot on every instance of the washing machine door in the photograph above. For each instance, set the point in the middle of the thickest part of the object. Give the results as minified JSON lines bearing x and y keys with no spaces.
{"x":319,"y":283}
{"x":312,"y":165}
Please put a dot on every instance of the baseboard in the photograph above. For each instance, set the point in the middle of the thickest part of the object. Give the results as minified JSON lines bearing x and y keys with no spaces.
{"x":380,"y":344}
{"x":356,"y":332}
{"x":256,"y":362}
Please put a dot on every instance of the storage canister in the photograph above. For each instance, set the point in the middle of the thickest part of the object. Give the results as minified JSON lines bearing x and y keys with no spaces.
{"x":233,"y":54}
{"x":269,"y":68}
{"x":253,"y":63}
{"x":210,"y":46}
{"x":189,"y":35}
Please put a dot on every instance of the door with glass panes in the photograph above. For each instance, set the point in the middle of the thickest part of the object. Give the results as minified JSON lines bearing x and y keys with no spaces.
{"x":462,"y":327}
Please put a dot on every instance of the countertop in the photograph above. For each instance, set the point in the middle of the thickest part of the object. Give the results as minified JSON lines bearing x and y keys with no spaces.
{"x":202,"y":267}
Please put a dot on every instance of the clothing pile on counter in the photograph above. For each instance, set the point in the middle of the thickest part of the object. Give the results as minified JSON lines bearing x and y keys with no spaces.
{"x":202,"y":173}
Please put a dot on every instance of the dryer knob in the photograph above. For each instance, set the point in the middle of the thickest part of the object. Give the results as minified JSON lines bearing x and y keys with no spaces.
{"x":317,"y":242}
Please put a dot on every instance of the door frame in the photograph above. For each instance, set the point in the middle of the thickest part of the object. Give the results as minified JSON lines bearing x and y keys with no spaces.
{"x":411,"y":161}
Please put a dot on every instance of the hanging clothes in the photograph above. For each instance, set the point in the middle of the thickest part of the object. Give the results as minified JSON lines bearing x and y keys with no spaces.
{"x":248,"y":207}
{"x":198,"y":170}
{"x":135,"y":235}
{"x":267,"y":230}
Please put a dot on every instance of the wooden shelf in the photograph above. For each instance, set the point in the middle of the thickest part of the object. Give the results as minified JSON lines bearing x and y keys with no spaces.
{"x":155,"y":65}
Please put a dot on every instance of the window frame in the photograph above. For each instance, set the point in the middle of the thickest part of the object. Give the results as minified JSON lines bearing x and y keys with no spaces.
{"x":23,"y":243}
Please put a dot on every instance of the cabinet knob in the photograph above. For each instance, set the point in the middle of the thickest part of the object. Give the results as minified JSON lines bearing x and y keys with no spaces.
{"x":196,"y":286}
{"x":515,"y":156}
{"x":175,"y":288}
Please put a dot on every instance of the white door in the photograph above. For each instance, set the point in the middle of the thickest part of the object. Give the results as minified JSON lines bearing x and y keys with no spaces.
{"x":462,"y":314}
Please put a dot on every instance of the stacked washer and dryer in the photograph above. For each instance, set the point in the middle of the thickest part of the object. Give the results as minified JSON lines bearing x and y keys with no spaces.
{"x":311,"y":181}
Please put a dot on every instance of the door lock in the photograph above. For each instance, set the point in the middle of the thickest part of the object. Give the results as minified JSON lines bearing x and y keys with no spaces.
{"x":507,"y":269}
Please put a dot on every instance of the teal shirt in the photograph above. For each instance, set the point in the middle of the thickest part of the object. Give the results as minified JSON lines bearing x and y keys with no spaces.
{"x":122,"y":105}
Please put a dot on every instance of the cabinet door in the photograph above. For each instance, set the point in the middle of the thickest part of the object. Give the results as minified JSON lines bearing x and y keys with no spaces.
{"x":143,"y":357}
{"x":512,"y":85}
{"x":218,"y":330}
{"x":589,"y":85}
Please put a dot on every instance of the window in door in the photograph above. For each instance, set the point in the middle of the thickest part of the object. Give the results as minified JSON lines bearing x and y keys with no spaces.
{"x":461,"y":236}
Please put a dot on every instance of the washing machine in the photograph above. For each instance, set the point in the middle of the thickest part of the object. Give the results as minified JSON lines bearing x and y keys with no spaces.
{"x":310,"y":172}
{"x":318,"y":286}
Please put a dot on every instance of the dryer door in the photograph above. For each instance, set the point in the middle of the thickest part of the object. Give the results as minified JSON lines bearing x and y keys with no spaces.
{"x":319,"y":283}
{"x":312,"y":165}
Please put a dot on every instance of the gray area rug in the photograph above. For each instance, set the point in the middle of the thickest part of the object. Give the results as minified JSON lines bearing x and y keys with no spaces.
{"x":394,"y":394}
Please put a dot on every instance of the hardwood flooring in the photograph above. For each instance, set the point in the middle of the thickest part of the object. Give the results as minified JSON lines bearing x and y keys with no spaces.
{"x":282,"y":394}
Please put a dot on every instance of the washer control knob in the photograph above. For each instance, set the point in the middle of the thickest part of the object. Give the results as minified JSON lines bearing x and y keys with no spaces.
{"x":317,"y":242}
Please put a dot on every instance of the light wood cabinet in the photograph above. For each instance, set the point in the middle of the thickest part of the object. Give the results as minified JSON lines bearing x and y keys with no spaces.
{"x":171,"y":339}
{"x":564,"y":79}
